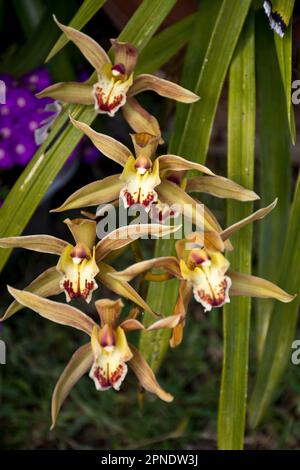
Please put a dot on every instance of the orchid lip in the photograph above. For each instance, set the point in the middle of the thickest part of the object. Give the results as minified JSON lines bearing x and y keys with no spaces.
{"x":118,"y":69}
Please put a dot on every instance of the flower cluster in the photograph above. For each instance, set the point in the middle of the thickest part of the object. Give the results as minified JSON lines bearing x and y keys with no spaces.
{"x":20,"y":116}
{"x":153,"y":182}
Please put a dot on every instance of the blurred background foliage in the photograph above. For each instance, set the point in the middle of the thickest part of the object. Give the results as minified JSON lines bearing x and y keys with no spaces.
{"x":38,"y":350}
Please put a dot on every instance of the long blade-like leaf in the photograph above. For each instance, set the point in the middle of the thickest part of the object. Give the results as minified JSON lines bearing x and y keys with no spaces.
{"x":281,"y":331}
{"x":165,"y":44}
{"x":275,"y":165}
{"x":236,"y":315}
{"x":210,"y":50}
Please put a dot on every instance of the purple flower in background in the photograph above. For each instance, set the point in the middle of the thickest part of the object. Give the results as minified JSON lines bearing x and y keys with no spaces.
{"x":21,"y":116}
{"x":25,"y":120}
{"x":90,"y":153}
{"x":6,"y":162}
{"x":37,"y":80}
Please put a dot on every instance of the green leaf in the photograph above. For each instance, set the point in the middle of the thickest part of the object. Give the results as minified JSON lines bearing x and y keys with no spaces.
{"x":33,"y":183}
{"x":210,"y":50}
{"x":165,"y":44}
{"x":282,"y":326}
{"x":87,"y":10}
{"x":145,"y":21}
{"x":284,"y":54}
{"x":32,"y":53}
{"x":236,"y":315}
{"x":275,"y":177}
{"x":29,"y":12}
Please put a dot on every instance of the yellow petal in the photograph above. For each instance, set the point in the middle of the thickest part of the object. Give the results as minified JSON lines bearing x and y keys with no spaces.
{"x":40,"y":243}
{"x":145,"y":144}
{"x":109,"y":368}
{"x":162,"y":87}
{"x":54,"y":311}
{"x":131,"y":324}
{"x":168,"y":322}
{"x":125,"y":54}
{"x":184,"y":295}
{"x":110,"y":147}
{"x":127,"y":234}
{"x":83,"y":231}
{"x":210,"y":285}
{"x":78,"y":272}
{"x":146,"y":376}
{"x":176,"y":163}
{"x":139,"y":119}
{"x":252,"y":286}
{"x":109,"y":311}
{"x":69,"y":92}
{"x":78,"y":365}
{"x":93,"y":194}
{"x":45,"y":285}
{"x":260,"y":214}
{"x":139,"y":187}
{"x":91,"y":50}
{"x":121,"y":288}
{"x":109,"y":93}
{"x":220,"y":187}
{"x":169,"y":263}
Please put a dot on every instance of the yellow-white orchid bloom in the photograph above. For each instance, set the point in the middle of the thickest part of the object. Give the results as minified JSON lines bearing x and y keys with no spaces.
{"x":107,"y":353}
{"x":154,"y":182}
{"x":82,"y":265}
{"x":116,"y":84}
{"x":203,"y":269}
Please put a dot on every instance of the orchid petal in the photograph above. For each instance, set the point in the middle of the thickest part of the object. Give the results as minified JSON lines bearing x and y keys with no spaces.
{"x":98,"y":192}
{"x":110,"y":147}
{"x":139,"y":119}
{"x":40,"y":243}
{"x":169,"y":263}
{"x":162,"y":87}
{"x":125,"y":54}
{"x":54,"y":311}
{"x":176,"y":163}
{"x":78,"y":365}
{"x":260,"y":214}
{"x":131,"y":324}
{"x":110,"y":93}
{"x":173,"y":194}
{"x":121,"y":288}
{"x":145,"y":144}
{"x":45,"y":285}
{"x":252,"y":286}
{"x":109,"y":311}
{"x":69,"y":92}
{"x":168,"y":322}
{"x":146,"y":376}
{"x":125,"y":235}
{"x":91,"y":50}
{"x":83,"y":231}
{"x":184,"y":295}
{"x":220,"y":187}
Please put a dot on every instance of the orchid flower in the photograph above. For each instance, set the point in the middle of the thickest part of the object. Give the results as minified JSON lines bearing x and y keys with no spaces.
{"x":150,"y":181}
{"x":203,"y":270}
{"x":81,"y":264}
{"x":116,"y":84}
{"x":107,"y":353}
